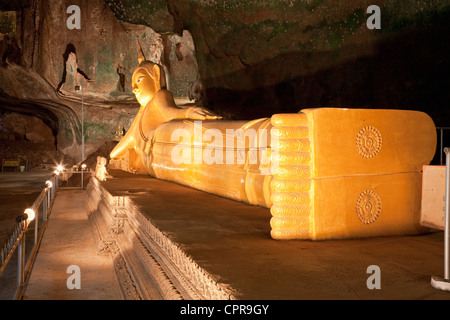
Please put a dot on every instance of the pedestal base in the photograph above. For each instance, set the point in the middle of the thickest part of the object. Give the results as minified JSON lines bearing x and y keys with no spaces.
{"x":440,"y":283}
{"x":168,"y":241}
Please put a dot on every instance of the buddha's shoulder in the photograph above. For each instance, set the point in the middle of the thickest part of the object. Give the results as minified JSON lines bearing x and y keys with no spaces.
{"x":165,"y":98}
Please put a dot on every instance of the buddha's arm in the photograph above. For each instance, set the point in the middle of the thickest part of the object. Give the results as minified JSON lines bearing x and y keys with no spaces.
{"x":161,"y":109}
{"x":171,"y":111}
{"x":120,"y":149}
{"x":128,"y":141}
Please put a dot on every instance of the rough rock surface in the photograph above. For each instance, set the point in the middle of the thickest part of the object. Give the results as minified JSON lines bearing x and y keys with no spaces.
{"x":24,"y":127}
{"x":255,"y":58}
{"x":43,"y":60}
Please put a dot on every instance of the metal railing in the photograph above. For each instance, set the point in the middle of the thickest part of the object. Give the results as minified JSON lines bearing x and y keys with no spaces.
{"x":441,"y":139}
{"x":438,"y":282}
{"x":66,"y":175}
{"x":18,"y":237}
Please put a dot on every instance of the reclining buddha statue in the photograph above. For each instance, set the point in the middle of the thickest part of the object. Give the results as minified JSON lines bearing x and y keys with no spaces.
{"x":324,"y":173}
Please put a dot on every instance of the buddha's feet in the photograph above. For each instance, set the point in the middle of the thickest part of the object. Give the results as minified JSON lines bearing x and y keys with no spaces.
{"x":342,"y":173}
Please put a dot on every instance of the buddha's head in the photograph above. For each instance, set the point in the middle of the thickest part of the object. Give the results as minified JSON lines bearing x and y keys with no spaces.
{"x":148,"y":78}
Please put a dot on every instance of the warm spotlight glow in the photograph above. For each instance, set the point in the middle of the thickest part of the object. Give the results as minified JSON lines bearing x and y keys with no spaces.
{"x":60,"y":168}
{"x":30,"y":213}
{"x":49,"y":183}
{"x":83,"y":166}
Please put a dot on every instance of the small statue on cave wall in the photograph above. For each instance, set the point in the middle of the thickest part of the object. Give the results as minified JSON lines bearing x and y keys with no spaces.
{"x":100,"y":170}
{"x":120,"y":132}
{"x":121,"y":77}
{"x":197,"y":92}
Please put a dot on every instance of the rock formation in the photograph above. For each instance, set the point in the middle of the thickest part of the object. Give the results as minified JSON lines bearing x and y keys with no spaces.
{"x":43,"y":60}
{"x":258,"y":58}
{"x":255,"y":58}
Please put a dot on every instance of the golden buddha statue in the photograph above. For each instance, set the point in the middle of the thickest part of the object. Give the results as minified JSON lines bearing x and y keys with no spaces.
{"x":324,"y":173}
{"x":157,"y":107}
{"x":151,"y":134}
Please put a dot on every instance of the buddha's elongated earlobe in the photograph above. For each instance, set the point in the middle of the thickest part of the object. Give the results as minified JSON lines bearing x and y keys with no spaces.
{"x":159,"y":75}
{"x":141,"y":56}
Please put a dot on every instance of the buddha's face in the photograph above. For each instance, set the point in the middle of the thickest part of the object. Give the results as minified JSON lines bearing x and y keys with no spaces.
{"x":144,"y":85}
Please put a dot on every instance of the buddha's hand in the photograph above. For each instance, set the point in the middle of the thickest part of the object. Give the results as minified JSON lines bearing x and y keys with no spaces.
{"x":198,"y":113}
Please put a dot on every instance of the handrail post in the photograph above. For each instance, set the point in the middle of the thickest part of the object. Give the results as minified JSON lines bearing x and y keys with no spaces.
{"x":436,"y":281}
{"x":442,"y":143}
{"x":36,"y":227}
{"x":21,"y":258}
{"x":52,"y":190}
{"x":447,"y":211}
{"x":44,"y":211}
{"x":49,"y":202}
{"x":55,"y":185}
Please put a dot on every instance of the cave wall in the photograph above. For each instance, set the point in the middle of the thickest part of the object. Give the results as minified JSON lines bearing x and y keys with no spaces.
{"x":261,"y":57}
{"x":101,"y":50}
{"x":43,"y":60}
{"x":23,"y":127}
{"x":256,"y":58}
